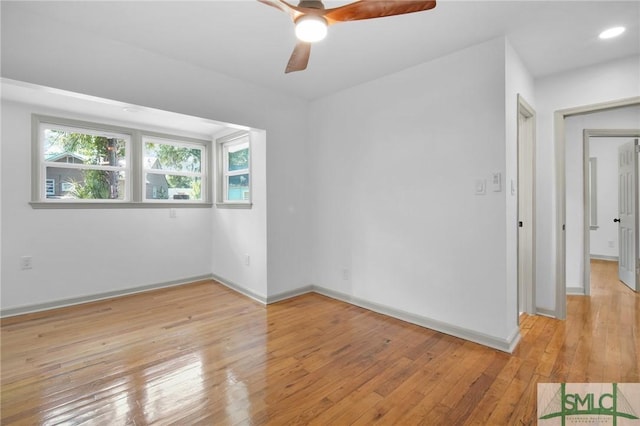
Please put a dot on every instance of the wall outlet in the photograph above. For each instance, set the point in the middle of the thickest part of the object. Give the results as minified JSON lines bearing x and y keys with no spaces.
{"x":172,"y":213}
{"x":247,"y":260}
{"x":345,"y":274}
{"x":26,"y":262}
{"x":610,"y":244}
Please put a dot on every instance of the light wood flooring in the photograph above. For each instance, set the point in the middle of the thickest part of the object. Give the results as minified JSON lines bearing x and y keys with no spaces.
{"x":202,"y":354}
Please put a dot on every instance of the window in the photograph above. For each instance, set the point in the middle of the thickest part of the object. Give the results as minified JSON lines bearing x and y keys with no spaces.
{"x":173,"y":170}
{"x":88,"y":164}
{"x":94,"y":165}
{"x":234,"y":162}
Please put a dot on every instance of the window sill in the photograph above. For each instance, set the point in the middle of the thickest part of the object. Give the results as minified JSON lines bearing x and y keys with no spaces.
{"x":234,"y":205}
{"x":114,"y":205}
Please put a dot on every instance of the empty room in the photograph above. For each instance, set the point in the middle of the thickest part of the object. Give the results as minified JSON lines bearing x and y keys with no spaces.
{"x":342,"y":212}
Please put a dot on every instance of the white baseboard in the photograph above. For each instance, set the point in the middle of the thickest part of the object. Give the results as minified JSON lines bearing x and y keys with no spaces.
{"x":289,"y":294}
{"x":551,"y":313}
{"x":27,"y":309}
{"x":505,"y":345}
{"x":603,"y":257}
{"x":240,"y":289}
{"x":575,"y":291}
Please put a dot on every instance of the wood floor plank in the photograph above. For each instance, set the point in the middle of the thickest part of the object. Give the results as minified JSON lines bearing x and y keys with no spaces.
{"x":203,"y":354}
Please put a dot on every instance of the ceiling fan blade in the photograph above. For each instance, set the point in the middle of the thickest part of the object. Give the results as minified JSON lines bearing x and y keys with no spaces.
{"x":299,"y":58}
{"x":284,"y":7}
{"x":368,"y":9}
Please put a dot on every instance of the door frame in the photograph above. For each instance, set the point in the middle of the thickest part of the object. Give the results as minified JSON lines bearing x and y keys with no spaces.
{"x":561,"y":199}
{"x":528,"y":293}
{"x":587,"y":134}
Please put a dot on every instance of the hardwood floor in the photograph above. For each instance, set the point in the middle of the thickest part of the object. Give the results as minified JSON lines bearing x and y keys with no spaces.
{"x":202,"y":354}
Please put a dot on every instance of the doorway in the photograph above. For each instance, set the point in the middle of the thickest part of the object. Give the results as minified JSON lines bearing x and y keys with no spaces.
{"x":526,"y":208}
{"x":561,"y":191}
{"x":604,"y":236}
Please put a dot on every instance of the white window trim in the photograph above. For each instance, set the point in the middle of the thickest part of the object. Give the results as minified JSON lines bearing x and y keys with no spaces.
{"x":222,"y":174}
{"x":134,"y":168}
{"x":40,"y":122}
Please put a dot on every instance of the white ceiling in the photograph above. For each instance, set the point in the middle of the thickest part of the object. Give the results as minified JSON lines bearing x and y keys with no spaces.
{"x":252,"y":42}
{"x":120,"y":113}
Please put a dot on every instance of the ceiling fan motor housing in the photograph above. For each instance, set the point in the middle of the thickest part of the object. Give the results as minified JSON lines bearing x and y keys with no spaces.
{"x":311,"y":4}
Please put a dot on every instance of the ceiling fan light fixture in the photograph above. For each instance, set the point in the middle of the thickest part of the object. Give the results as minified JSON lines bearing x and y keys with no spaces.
{"x":311,"y":28}
{"x":611,"y":32}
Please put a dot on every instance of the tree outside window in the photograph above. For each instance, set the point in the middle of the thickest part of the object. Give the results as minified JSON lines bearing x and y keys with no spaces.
{"x":80,"y":164}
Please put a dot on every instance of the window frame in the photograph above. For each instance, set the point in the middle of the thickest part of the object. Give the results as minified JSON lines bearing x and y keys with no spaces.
{"x":134,"y":195}
{"x":223,"y":173}
{"x":183,"y":143}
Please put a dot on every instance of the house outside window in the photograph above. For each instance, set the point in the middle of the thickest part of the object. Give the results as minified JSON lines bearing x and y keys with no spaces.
{"x":83,"y":164}
{"x":173,"y":170}
{"x":79,"y":164}
{"x":234,"y":162}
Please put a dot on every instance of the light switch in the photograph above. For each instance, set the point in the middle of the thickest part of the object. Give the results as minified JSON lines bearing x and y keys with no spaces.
{"x":496,"y":181}
{"x":481,"y":187}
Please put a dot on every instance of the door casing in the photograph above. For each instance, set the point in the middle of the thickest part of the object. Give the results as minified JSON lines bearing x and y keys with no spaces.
{"x":560,"y":310}
{"x":526,"y":207}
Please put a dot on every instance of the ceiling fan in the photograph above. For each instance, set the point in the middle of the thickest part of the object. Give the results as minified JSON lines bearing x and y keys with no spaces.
{"x":312,"y":19}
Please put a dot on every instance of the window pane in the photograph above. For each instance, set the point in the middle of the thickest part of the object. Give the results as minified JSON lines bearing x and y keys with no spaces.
{"x":238,"y":157}
{"x":238,"y":188}
{"x":63,"y":146}
{"x":63,"y":183}
{"x":172,"y":158}
{"x":172,"y":187}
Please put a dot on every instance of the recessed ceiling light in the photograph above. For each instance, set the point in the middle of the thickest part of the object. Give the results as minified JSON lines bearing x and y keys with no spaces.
{"x":611,"y":32}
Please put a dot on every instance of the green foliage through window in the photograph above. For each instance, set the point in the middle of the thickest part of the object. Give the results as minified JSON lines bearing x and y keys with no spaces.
{"x":239,"y":160}
{"x":175,"y":158}
{"x":69,"y":147}
{"x":174,"y":170}
{"x":83,"y":161}
{"x":236,"y":175}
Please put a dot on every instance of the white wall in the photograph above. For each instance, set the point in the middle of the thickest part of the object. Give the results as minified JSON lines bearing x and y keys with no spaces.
{"x":78,"y":253}
{"x":31,"y":48}
{"x":602,"y":83}
{"x":407,"y":238}
{"x":518,"y":81}
{"x":620,"y":118}
{"x":395,"y":164}
{"x":604,"y":240}
{"x":236,"y":231}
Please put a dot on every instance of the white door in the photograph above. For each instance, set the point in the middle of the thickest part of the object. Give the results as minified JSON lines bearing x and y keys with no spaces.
{"x":627,"y":204}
